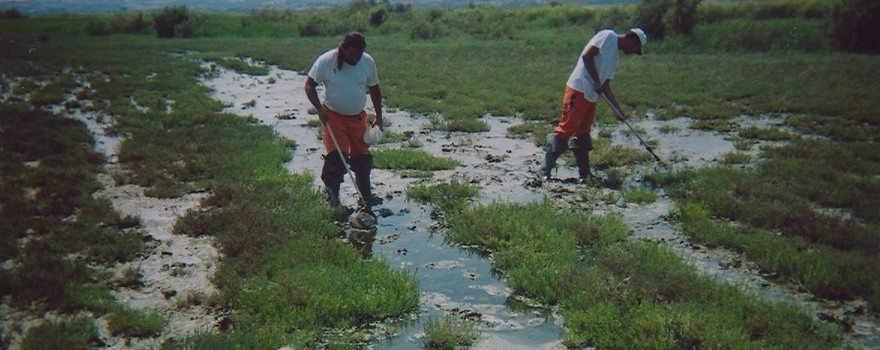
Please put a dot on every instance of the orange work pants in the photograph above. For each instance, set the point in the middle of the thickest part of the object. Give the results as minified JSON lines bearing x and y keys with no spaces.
{"x":349,"y":132}
{"x":578,"y":114}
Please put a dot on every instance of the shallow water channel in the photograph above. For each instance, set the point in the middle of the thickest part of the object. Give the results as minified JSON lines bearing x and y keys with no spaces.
{"x":457,"y":282}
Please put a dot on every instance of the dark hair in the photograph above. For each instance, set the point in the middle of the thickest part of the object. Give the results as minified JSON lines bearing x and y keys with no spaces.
{"x":353,"y":40}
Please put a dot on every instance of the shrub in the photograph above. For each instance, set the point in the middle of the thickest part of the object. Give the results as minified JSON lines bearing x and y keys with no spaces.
{"x":77,"y":333}
{"x":377,"y":16}
{"x":173,"y":21}
{"x":329,"y":23}
{"x":615,"y":17}
{"x":97,"y":28}
{"x":658,"y":16}
{"x":311,"y":27}
{"x":131,"y":323}
{"x":854,"y":26}
{"x":681,"y":18}
{"x":11,"y":13}
{"x":649,"y":16}
{"x":425,"y":31}
{"x":123,"y":23}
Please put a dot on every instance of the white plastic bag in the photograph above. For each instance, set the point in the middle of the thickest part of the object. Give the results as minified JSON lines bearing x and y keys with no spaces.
{"x":373,"y":136}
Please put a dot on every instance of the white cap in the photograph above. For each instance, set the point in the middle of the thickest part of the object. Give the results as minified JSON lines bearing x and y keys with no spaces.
{"x":643,"y":38}
{"x":373,"y":136}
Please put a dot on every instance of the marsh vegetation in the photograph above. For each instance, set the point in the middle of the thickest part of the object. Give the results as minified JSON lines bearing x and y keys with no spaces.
{"x":806,"y":209}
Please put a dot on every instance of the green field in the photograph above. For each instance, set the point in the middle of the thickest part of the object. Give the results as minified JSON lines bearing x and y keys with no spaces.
{"x":281,"y":275}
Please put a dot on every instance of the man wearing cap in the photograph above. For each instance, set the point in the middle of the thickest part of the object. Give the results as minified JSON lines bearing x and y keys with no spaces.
{"x":348,"y":74}
{"x":591,"y":78}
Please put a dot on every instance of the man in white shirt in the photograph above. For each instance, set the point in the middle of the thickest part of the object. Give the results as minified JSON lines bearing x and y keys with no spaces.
{"x":347,"y":73}
{"x":590,"y":78}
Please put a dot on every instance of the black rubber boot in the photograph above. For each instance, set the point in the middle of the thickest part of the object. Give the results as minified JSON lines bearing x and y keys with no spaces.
{"x":362,"y":165}
{"x":549,"y":163}
{"x":582,"y":159}
{"x":581,"y":147}
{"x":332,"y":174}
{"x":554,"y":147}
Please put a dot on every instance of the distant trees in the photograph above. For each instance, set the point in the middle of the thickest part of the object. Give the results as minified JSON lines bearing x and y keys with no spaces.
{"x":121,"y":23}
{"x":755,"y":26}
{"x":358,"y":15}
{"x":657,"y":17}
{"x":176,"y":21}
{"x":855,"y":26}
{"x":11,"y":13}
{"x":170,"y":22}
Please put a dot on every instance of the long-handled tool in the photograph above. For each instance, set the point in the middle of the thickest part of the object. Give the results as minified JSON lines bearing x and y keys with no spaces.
{"x":363,"y":217}
{"x":622,"y":118}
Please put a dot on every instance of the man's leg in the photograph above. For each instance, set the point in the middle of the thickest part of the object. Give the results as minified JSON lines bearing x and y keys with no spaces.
{"x":333,"y":173}
{"x":581,"y":147}
{"x":554,"y":147}
{"x":362,"y":165}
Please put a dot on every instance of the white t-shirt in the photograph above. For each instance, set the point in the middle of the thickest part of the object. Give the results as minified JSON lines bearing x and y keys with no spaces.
{"x":345,"y":88}
{"x":606,"y":64}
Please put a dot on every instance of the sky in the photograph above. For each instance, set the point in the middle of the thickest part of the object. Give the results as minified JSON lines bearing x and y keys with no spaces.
{"x":39,"y":7}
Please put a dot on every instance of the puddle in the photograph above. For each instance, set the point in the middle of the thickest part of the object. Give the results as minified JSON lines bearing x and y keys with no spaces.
{"x":454,"y":281}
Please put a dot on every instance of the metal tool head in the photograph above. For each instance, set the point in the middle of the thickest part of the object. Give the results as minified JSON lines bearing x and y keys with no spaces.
{"x":363,"y":219}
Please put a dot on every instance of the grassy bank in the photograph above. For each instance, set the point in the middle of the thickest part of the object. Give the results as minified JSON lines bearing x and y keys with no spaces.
{"x":615,"y":294}
{"x":807,"y":213}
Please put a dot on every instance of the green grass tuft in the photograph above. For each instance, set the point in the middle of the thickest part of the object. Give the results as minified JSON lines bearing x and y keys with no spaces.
{"x":410,"y":159}
{"x":767,"y":134}
{"x":449,"y":333}
{"x":449,"y":197}
{"x":640,"y":195}
{"x":77,"y":333}
{"x":130,"y":323}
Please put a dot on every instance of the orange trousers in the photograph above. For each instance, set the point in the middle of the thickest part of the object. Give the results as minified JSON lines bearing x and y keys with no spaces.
{"x":349,"y":132}
{"x":578,"y":114}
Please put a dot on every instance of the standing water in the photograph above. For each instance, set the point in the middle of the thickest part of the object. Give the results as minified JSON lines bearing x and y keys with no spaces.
{"x":453,"y":280}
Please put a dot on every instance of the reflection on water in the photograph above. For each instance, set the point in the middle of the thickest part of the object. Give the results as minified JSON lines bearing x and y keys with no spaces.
{"x":362,"y":241}
{"x":455,"y":281}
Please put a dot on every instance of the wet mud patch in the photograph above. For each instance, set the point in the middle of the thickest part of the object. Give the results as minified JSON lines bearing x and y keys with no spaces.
{"x":172,"y":275}
{"x":175,"y":272}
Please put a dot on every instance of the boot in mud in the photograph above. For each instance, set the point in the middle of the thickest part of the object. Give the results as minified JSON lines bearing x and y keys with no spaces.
{"x":582,"y":159}
{"x":333,"y":195}
{"x":549,"y":163}
{"x":555,"y":146}
{"x":581,"y":147}
{"x":332,"y":174}
{"x":362,"y":165}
